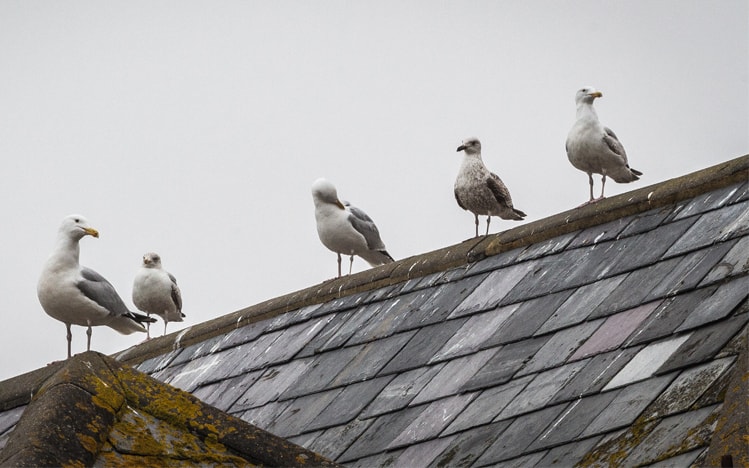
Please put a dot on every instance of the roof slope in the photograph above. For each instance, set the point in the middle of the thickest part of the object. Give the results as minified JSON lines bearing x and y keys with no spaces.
{"x":608,"y":334}
{"x":95,"y":411}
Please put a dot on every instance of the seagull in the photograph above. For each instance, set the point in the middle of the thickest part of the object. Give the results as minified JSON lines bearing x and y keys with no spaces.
{"x":480,"y":191}
{"x":77,"y":295}
{"x":155,"y":291}
{"x":595,"y":149}
{"x":345,"y":229}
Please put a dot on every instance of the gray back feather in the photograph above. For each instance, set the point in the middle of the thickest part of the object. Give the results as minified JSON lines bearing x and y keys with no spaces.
{"x":366,"y":227}
{"x":98,"y":289}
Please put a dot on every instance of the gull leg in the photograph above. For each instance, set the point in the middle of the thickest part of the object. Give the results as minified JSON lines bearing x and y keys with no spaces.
{"x":351,"y":264}
{"x":590,"y":180}
{"x":488,"y":220}
{"x":165,"y":322}
{"x":477,"y":224}
{"x":148,"y":326}
{"x":69,"y":337}
{"x":339,"y":265}
{"x":88,"y":338}
{"x":603,"y":185}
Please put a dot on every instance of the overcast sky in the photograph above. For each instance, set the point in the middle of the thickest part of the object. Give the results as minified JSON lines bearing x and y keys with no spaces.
{"x":196,"y":128}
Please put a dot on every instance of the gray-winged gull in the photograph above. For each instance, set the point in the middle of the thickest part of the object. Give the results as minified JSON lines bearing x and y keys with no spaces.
{"x":480,"y":191}
{"x":155,"y":291}
{"x":345,"y":229}
{"x":595,"y":149}
{"x":77,"y":295}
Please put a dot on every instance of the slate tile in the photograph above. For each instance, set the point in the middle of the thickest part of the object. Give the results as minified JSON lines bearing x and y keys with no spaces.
{"x":687,"y":388}
{"x":634,"y":290}
{"x":704,"y":343}
{"x":487,"y":405}
{"x":378,"y":436}
{"x":561,"y":345}
{"x":568,"y":454}
{"x":422,"y":347}
{"x":573,"y":268}
{"x":735,"y":262}
{"x":334,"y":441}
{"x":472,"y":335}
{"x":668,"y":316}
{"x":504,"y":364}
{"x":9,"y":418}
{"x":263,"y":416}
{"x":430,"y":423}
{"x":597,"y":372}
{"x":685,"y":431}
{"x":438,"y":304}
{"x":524,"y":461}
{"x":349,"y":403}
{"x":647,"y":221}
{"x":342,"y":303}
{"x":715,"y":393}
{"x":493,"y":288}
{"x":390,"y":317}
{"x":316,"y":344}
{"x":168,"y":374}
{"x":548,"y":247}
{"x":573,"y":420}
{"x":545,"y":276}
{"x":468,"y":446}
{"x":691,"y":270}
{"x":614,"y":331}
{"x":521,"y":433}
{"x":423,"y":454}
{"x":541,"y":390}
{"x":319,"y":371}
{"x":627,"y":405}
{"x":248,"y":356}
{"x":494,"y":262}
{"x":528,"y":318}
{"x":203,"y":370}
{"x":305,"y":440}
{"x":707,"y":202}
{"x":354,"y":323}
{"x":225,"y":393}
{"x":580,"y":304}
{"x":722,"y":303}
{"x":301,"y":412}
{"x":600,"y":233}
{"x":727,"y":222}
{"x":453,"y":376}
{"x":685,"y":459}
{"x":288,"y":343}
{"x":382,"y":460}
{"x":742,"y":193}
{"x":401,"y":390}
{"x":272,"y":384}
{"x":158,"y":363}
{"x":646,"y":362}
{"x":371,"y":358}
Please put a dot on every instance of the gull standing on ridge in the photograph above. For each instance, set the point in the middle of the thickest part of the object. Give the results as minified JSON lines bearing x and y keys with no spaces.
{"x":595,"y":149}
{"x":345,"y":229}
{"x":77,"y":295}
{"x":155,"y":291}
{"x":480,"y":191}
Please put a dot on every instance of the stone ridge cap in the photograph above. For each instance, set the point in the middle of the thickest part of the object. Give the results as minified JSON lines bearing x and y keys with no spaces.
{"x":75,"y":409}
{"x":462,"y":254}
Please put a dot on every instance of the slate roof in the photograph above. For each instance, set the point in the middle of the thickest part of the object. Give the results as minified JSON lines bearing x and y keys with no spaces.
{"x":607,"y":335}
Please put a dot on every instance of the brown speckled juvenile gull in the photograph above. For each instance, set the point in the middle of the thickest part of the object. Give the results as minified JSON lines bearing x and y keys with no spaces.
{"x":480,"y":191}
{"x":155,"y":291}
{"x":345,"y":229}
{"x":76,"y":295}
{"x":595,"y":149}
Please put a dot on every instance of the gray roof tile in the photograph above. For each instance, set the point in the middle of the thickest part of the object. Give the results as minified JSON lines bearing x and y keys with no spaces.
{"x":627,"y":405}
{"x":551,"y":246}
{"x":647,"y":221}
{"x":437,"y":415}
{"x":647,"y":361}
{"x":686,"y":389}
{"x":263,"y":416}
{"x":711,"y":309}
{"x":541,"y":390}
{"x":493,"y":288}
{"x":401,"y":390}
{"x":272,"y":383}
{"x":441,"y":302}
{"x":354,"y":322}
{"x":370,"y":358}
{"x":474,"y":332}
{"x":334,"y":441}
{"x":381,"y":433}
{"x":596,"y":374}
{"x":614,"y":331}
{"x":422,"y":347}
{"x":528,"y":318}
{"x":734,"y":263}
{"x":568,"y":454}
{"x":423,"y":454}
{"x":721,"y":224}
{"x":469,"y":445}
{"x":225,"y":393}
{"x":560,"y":346}
{"x":600,"y":233}
{"x":487,"y":405}
{"x":389,"y":319}
{"x":504,"y":364}
{"x":319,"y":371}
{"x":452,"y":376}
{"x":301,"y":412}
{"x":318,"y":343}
{"x":349,"y":403}
{"x":707,"y":202}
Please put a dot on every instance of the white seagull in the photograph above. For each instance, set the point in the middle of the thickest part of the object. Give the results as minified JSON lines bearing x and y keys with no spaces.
{"x":345,"y":229}
{"x":480,"y":191}
{"x":595,"y":149}
{"x":77,"y":295}
{"x":155,"y":291}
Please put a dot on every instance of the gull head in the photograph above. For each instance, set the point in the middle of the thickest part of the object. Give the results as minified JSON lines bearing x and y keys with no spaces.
{"x":151,"y":260}
{"x":470,"y":146}
{"x":76,"y":227}
{"x":324,"y":192}
{"x":587,"y":95}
